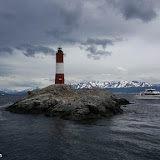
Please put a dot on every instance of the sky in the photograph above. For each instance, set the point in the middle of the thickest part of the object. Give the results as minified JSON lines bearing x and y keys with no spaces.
{"x":104,"y":40}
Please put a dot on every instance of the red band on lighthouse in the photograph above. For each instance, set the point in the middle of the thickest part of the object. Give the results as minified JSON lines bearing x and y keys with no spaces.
{"x":59,"y":78}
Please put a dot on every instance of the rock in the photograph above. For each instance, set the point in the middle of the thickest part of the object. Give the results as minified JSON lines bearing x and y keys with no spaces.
{"x":67,"y":103}
{"x":123,"y":101}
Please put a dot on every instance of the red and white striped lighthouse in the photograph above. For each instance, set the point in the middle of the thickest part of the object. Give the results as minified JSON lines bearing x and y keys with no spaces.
{"x":59,"y":78}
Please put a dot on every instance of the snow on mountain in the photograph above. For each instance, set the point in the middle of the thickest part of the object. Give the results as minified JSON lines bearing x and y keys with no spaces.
{"x":112,"y":84}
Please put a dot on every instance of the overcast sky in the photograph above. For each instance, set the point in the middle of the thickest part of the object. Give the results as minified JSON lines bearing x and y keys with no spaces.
{"x":103,"y":40}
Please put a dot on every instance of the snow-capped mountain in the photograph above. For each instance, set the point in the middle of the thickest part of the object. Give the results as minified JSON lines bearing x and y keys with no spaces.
{"x":112,"y":84}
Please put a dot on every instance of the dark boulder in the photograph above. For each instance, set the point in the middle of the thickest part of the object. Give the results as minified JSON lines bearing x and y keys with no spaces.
{"x":123,"y":101}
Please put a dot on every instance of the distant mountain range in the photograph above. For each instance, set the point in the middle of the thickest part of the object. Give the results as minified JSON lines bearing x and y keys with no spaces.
{"x":112,"y":84}
{"x":120,"y":86}
{"x":9,"y":91}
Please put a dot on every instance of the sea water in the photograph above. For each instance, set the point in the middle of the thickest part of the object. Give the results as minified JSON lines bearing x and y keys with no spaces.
{"x":133,"y":135}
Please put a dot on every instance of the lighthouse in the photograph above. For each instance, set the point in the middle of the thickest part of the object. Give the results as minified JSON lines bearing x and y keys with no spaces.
{"x":59,"y":78}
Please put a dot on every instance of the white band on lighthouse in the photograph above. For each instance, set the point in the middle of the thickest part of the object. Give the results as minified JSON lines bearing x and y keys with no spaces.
{"x":60,"y":68}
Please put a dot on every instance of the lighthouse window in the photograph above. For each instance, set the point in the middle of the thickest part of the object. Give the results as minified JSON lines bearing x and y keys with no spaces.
{"x":60,"y":79}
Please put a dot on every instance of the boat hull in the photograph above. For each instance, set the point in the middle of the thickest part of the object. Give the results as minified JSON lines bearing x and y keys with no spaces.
{"x":147,"y":97}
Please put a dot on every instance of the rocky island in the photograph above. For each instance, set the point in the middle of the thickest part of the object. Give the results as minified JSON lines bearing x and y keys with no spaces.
{"x":65,"y":102}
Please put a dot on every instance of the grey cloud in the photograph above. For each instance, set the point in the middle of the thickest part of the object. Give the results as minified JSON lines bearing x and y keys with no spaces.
{"x":59,"y":22}
{"x":91,"y":44}
{"x":95,"y":53}
{"x":71,"y":17}
{"x":61,"y":33}
{"x":63,"y":30}
{"x":101,"y":42}
{"x":56,"y":33}
{"x":30,"y":50}
{"x":5,"y":70}
{"x":38,"y":22}
{"x":7,"y":15}
{"x":4,"y":50}
{"x":21,"y":83}
{"x":62,"y":36}
{"x":27,"y":84}
{"x":136,"y":9}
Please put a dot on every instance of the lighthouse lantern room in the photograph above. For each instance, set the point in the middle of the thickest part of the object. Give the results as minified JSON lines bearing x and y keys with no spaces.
{"x":59,"y":78}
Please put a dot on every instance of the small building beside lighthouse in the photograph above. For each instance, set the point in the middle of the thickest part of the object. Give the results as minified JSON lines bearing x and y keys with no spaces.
{"x":59,"y":77}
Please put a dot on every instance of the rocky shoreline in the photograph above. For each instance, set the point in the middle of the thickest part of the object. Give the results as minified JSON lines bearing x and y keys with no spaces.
{"x":67,"y":103}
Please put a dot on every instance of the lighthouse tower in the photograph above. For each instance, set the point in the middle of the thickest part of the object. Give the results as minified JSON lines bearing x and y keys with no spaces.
{"x":59,"y":78}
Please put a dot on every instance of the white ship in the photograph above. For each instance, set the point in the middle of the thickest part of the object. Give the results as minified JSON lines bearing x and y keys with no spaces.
{"x":148,"y":94}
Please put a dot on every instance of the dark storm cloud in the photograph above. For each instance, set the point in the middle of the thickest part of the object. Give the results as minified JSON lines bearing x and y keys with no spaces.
{"x":4,"y":50}
{"x":30,"y":50}
{"x":91,"y":44}
{"x":102,"y":42}
{"x":38,"y":22}
{"x":96,"y":54}
{"x":53,"y":22}
{"x":48,"y":22}
{"x":7,"y":15}
{"x":57,"y":33}
{"x":144,"y":10}
{"x":62,"y":36}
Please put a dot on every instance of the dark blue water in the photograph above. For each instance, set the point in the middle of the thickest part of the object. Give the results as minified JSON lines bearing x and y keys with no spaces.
{"x":133,"y":135}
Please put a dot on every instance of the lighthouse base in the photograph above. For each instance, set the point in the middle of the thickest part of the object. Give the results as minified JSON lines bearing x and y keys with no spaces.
{"x":59,"y":79}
